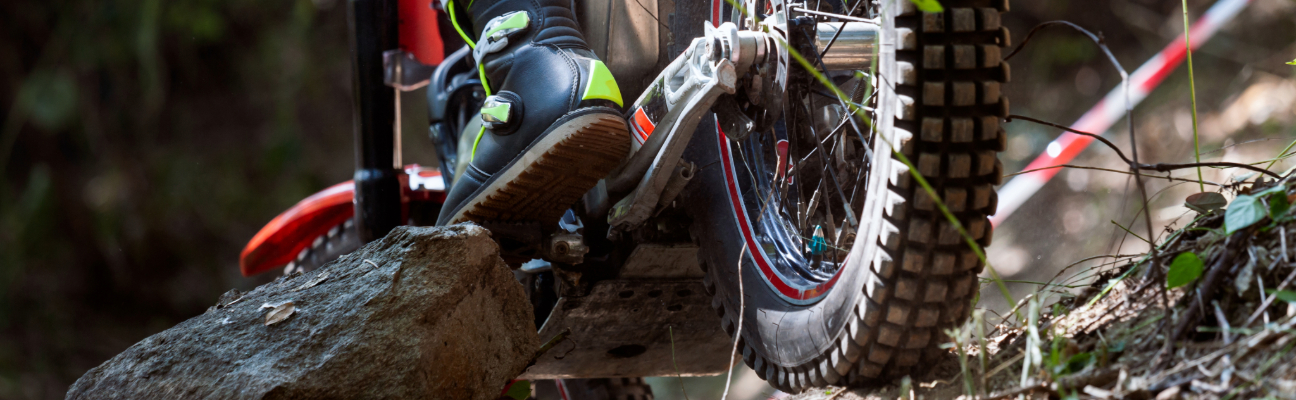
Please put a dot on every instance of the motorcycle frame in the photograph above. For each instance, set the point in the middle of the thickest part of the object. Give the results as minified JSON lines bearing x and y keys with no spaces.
{"x":374,"y":29}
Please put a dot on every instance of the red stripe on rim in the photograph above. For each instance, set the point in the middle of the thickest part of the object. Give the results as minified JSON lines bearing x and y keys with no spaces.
{"x":715,"y":13}
{"x":799,"y":293}
{"x":562,"y":389}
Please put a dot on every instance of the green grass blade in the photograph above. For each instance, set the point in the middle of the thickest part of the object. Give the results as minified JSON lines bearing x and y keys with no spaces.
{"x":1192,"y":87}
{"x":929,"y":6}
{"x":1281,"y":155}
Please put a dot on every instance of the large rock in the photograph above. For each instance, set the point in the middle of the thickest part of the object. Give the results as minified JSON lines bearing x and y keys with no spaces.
{"x":430,"y":313}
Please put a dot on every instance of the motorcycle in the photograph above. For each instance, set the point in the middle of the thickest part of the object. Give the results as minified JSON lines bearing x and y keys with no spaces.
{"x":770,"y":207}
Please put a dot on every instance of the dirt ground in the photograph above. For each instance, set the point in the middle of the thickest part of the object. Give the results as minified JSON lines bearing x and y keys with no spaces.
{"x":1227,"y":333}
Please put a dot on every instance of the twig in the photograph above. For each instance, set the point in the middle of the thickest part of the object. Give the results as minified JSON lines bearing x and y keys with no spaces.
{"x":1132,"y":233}
{"x":1242,"y":143}
{"x":1016,"y":308}
{"x":671,"y":330}
{"x":978,"y":317}
{"x":1223,"y":322}
{"x":1006,"y":364}
{"x":1129,"y":118}
{"x":1289,"y":146}
{"x":1282,"y":234}
{"x":1267,"y":302}
{"x":836,"y":394}
{"x":1042,"y":26}
{"x":1169,"y":178}
{"x":742,"y":309}
{"x":1263,"y":298}
{"x":559,"y":338}
{"x":1159,"y":167}
{"x":1015,"y":392}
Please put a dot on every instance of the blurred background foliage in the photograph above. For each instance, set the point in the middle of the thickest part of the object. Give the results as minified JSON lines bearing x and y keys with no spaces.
{"x":144,"y":142}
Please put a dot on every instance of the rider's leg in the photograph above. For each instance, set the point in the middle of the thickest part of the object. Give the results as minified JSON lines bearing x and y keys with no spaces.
{"x":552,"y":125}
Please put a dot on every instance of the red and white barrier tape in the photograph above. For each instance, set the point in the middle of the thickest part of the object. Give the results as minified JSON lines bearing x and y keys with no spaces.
{"x":1110,"y":109}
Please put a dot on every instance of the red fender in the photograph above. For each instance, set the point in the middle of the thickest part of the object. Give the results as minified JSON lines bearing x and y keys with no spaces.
{"x":292,"y":231}
{"x":420,"y":33}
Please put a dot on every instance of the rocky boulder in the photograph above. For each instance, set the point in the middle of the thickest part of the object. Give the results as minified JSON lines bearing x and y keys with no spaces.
{"x":430,"y":313}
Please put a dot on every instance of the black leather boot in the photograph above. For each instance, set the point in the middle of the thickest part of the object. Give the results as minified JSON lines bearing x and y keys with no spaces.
{"x":552,"y":125}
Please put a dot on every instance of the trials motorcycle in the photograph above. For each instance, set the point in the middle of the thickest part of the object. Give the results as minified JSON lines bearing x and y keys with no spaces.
{"x":770,"y":204}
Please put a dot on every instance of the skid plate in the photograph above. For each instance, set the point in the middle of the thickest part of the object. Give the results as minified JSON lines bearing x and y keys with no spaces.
{"x":625,"y":328}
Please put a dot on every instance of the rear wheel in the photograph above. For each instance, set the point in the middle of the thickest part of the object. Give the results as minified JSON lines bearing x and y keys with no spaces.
{"x":849,"y":273}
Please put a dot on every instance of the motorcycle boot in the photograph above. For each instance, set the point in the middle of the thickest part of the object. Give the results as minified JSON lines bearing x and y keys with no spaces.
{"x":551,"y":125}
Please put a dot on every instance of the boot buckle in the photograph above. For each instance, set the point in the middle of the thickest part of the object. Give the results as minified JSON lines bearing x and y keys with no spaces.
{"x":499,"y":111}
{"x":495,"y":37}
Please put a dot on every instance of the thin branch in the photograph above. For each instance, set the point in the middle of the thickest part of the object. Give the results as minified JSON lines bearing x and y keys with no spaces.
{"x":1280,"y":154}
{"x":1130,"y":232}
{"x":1159,"y":167}
{"x":1169,"y":178}
{"x":1097,"y":39}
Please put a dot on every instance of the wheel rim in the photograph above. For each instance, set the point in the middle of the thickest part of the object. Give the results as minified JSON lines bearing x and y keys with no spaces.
{"x":800,"y":195}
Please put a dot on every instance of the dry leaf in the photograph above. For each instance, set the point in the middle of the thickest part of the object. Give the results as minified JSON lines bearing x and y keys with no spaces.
{"x":318,"y":279}
{"x":1206,"y":202}
{"x":280,"y":313}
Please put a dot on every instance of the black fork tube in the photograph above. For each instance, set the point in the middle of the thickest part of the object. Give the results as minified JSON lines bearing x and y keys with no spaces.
{"x":373,"y":28}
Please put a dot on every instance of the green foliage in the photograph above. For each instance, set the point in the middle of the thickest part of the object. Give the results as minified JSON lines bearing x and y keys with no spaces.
{"x":1059,"y":363}
{"x":1185,"y":269}
{"x":149,"y":140}
{"x":1278,"y":206}
{"x":1293,"y":62}
{"x":50,"y":98}
{"x":931,"y":6}
{"x":1284,"y":295}
{"x":1245,"y":211}
{"x":1079,"y":362}
{"x":519,"y":390}
{"x":1116,"y":347}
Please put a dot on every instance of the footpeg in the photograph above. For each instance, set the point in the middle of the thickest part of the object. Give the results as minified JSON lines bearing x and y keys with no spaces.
{"x":522,"y":242}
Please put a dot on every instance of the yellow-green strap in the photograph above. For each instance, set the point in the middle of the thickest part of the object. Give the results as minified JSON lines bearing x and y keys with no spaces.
{"x":450,"y":10}
{"x":481,"y":71}
{"x":480,"y":133}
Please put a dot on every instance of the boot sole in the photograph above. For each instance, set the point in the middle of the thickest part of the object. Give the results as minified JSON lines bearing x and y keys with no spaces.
{"x":553,"y":174}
